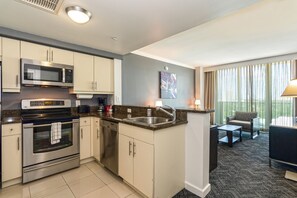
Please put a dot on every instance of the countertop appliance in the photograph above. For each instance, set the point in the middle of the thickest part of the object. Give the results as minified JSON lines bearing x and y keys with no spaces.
{"x":46,"y":73}
{"x":50,"y":138}
{"x":109,"y":139}
{"x":83,"y":109}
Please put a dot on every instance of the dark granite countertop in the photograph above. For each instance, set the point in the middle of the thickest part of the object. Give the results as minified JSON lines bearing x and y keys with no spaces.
{"x":120,"y":117}
{"x":11,"y":120}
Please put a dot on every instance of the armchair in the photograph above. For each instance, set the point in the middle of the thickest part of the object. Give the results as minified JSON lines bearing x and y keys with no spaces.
{"x":248,"y":120}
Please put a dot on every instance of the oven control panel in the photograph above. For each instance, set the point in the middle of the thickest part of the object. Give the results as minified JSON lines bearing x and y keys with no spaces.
{"x":45,"y":103}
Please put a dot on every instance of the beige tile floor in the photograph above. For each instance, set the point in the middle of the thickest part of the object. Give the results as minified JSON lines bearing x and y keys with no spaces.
{"x":88,"y":181}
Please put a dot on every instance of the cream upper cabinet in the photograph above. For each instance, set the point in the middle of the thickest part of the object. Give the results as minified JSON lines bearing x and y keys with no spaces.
{"x":103,"y":75}
{"x":10,"y":65}
{"x":61,"y":56}
{"x":96,"y":138}
{"x":11,"y":152}
{"x":83,"y":73}
{"x":45,"y":53}
{"x":94,"y":75}
{"x":34,"y":51}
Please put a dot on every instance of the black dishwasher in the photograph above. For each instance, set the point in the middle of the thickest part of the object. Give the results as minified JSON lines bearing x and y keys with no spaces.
{"x":109,"y":145}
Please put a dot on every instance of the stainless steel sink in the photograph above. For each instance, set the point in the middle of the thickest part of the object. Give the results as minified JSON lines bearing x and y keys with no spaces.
{"x":151,"y":121}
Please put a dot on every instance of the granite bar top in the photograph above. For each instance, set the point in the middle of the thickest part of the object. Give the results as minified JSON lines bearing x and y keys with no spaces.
{"x":194,"y":110}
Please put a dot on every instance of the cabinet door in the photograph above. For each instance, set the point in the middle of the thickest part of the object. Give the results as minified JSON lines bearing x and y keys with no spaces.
{"x":61,"y":56}
{"x":11,"y":157}
{"x":126,"y":158}
{"x":35,"y":51}
{"x":96,"y":138}
{"x":83,"y":73}
{"x":10,"y":65}
{"x":143,"y":167}
{"x":85,"y":142}
{"x":104,"y":75}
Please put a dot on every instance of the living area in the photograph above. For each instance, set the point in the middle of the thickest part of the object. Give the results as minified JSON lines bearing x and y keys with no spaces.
{"x":254,"y":118}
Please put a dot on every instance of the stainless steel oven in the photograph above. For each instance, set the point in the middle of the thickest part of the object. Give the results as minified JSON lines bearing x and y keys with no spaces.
{"x":41,"y":156}
{"x":46,"y":73}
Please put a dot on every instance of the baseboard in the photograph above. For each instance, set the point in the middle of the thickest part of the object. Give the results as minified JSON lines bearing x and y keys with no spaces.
{"x":12,"y":182}
{"x":197,"y":191}
{"x":84,"y":161}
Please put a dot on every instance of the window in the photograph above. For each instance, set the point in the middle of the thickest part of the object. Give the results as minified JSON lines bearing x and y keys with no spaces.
{"x":254,"y":88}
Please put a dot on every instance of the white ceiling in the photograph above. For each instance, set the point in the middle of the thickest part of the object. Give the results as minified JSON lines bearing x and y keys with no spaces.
{"x":264,"y":29}
{"x":136,"y":23}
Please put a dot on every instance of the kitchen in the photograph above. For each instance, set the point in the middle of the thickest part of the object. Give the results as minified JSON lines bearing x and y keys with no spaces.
{"x":116,"y":78}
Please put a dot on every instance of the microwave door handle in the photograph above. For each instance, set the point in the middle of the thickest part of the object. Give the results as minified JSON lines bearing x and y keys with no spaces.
{"x":63,"y":75}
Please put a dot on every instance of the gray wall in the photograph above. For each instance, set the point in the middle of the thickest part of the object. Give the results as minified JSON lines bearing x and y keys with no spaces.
{"x":12,"y":101}
{"x":141,"y":82}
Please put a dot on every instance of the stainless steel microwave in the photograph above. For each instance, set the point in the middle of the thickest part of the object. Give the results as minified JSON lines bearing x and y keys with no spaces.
{"x":46,"y":73}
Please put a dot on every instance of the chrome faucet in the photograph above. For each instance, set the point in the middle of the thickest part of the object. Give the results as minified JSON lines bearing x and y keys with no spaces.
{"x":173,"y":114}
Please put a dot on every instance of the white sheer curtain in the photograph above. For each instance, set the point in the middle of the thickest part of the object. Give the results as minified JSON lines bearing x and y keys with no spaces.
{"x":254,"y":88}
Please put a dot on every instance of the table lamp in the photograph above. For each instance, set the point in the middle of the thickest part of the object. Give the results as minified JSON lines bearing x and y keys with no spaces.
{"x":291,"y":89}
{"x":197,"y":103}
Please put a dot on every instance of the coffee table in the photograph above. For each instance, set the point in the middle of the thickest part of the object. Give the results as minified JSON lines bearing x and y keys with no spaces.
{"x":230,"y":139}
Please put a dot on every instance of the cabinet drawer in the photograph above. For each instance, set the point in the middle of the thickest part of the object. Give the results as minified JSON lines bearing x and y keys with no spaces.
{"x":11,"y":129}
{"x":85,"y":121}
{"x":96,"y":122}
{"x":138,"y":133}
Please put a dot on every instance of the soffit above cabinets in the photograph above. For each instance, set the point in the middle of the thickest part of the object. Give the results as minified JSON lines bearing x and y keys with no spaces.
{"x":134,"y":24}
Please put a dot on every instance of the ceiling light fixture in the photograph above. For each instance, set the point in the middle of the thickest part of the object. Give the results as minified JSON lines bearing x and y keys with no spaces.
{"x":78,"y":14}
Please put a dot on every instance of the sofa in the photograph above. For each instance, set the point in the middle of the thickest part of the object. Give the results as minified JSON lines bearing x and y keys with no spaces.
{"x":248,"y":120}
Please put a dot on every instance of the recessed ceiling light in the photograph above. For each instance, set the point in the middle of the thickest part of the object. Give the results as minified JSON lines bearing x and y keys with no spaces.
{"x":78,"y":14}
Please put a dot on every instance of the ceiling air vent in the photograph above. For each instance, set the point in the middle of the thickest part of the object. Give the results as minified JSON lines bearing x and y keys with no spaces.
{"x":51,"y":6}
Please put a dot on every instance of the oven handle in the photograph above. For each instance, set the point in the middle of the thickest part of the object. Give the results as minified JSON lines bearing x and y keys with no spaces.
{"x":42,"y":125}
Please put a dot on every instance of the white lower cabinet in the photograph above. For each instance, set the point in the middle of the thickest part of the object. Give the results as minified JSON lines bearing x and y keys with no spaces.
{"x":11,"y":152}
{"x":153,"y":162}
{"x":96,"y":138}
{"x":85,"y":138}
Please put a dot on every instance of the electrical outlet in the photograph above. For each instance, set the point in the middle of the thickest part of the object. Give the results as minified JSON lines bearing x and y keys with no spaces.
{"x":129,"y":110}
{"x":77,"y":103}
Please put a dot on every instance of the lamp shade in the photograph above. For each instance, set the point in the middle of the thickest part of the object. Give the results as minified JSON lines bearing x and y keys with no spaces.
{"x":291,"y":89}
{"x":197,"y":102}
{"x":159,"y":103}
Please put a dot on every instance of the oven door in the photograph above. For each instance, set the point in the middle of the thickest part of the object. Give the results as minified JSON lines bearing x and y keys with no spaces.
{"x":37,"y":144}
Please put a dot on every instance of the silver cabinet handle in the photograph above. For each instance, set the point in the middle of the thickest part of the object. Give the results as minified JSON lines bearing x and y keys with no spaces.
{"x":130,"y":144}
{"x":134,"y":149}
{"x":18,"y":143}
{"x":17,"y":80}
{"x":52,"y":56}
{"x":47,"y":55}
{"x":81,"y":134}
{"x":97,"y":133}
